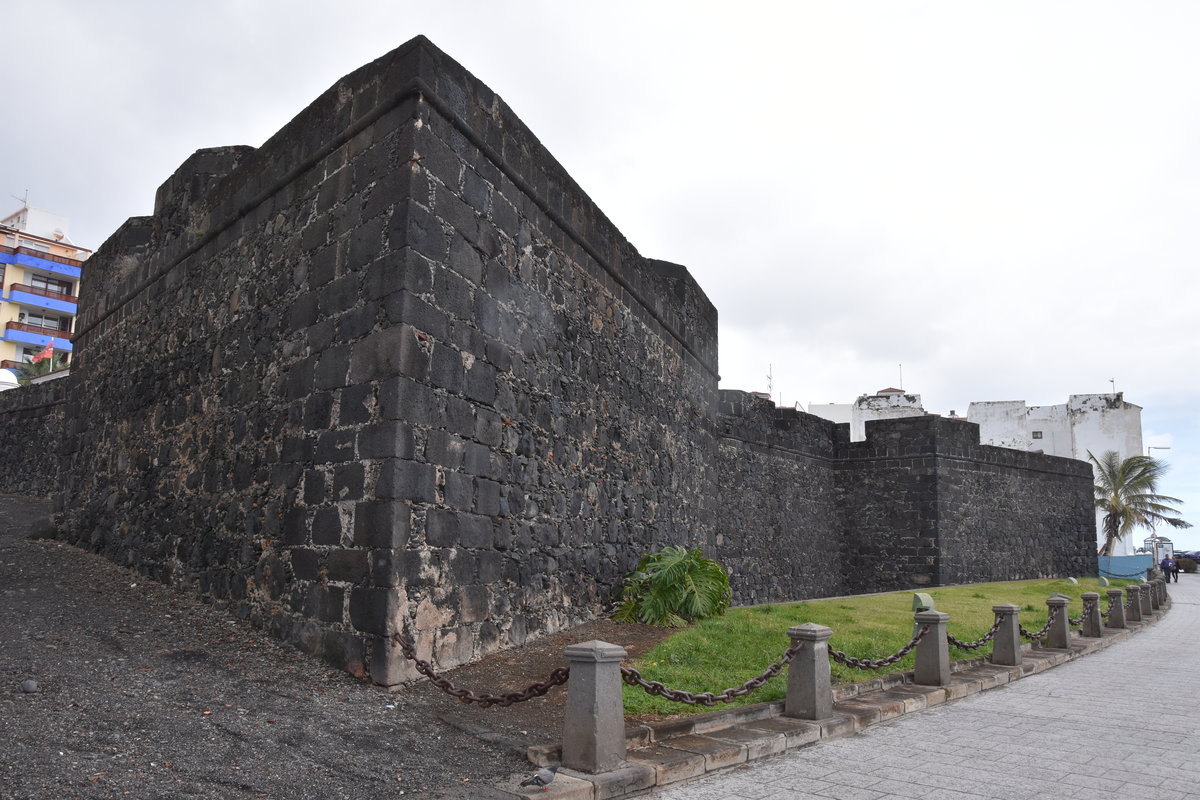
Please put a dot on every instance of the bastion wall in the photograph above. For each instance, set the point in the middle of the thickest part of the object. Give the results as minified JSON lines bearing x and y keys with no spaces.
{"x":393,"y":371}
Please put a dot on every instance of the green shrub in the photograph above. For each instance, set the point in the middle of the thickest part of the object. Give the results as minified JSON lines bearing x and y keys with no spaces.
{"x":1186,"y":564}
{"x":673,"y":587}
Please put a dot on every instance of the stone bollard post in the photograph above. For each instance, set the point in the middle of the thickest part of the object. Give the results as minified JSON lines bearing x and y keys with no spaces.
{"x":1059,"y":635}
{"x":1156,"y":591}
{"x":1144,"y":594}
{"x":1116,"y":619}
{"x":809,"y":691}
{"x":1134,"y":613}
{"x":1091,"y":617}
{"x":594,"y":727}
{"x":1006,"y":647}
{"x":933,"y":652}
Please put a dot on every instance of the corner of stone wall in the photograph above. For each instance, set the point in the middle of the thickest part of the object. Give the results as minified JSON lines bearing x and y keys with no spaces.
{"x":180,"y":202}
{"x":112,"y":272}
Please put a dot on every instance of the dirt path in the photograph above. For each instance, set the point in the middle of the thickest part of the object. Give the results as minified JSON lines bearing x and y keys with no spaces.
{"x":146,"y":692}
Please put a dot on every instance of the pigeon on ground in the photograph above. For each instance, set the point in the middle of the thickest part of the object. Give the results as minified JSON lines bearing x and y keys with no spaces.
{"x":541,"y":778}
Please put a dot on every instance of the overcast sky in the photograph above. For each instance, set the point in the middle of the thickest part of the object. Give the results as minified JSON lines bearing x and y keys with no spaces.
{"x":1003,"y":197}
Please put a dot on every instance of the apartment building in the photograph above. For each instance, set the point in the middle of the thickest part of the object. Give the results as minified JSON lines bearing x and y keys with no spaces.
{"x":40,"y":269}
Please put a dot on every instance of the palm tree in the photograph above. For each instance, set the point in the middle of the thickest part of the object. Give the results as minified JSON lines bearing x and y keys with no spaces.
{"x":35,"y":369}
{"x":1127,"y":493}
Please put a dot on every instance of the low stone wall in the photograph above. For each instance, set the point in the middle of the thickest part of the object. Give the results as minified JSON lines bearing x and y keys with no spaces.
{"x":925,"y":504}
{"x":32,"y":430}
{"x":805,"y":512}
{"x":778,"y":524}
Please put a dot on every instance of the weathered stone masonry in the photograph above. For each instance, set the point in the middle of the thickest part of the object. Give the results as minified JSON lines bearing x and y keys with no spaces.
{"x":394,"y":371}
{"x":31,"y":434}
{"x":805,"y":512}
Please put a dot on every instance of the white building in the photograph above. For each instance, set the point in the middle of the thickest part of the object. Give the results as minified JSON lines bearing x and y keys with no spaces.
{"x":1086,"y":423}
{"x":884,"y":404}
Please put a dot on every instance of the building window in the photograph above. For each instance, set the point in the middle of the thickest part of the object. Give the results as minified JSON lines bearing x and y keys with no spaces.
{"x":50,"y":284}
{"x":1037,"y":434}
{"x":58,"y":323}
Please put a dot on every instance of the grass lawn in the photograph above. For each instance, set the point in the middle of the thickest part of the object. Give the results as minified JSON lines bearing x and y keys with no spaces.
{"x":729,"y":650}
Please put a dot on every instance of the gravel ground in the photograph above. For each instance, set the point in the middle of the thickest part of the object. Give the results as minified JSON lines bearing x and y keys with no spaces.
{"x":144,"y":691}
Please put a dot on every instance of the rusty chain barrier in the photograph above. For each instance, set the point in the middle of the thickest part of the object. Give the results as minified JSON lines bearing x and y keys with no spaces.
{"x":978,"y":643}
{"x":1075,"y":622}
{"x":485,"y":700}
{"x":1106,"y":613}
{"x":863,"y":663}
{"x":1045,"y":628}
{"x":634,"y":678}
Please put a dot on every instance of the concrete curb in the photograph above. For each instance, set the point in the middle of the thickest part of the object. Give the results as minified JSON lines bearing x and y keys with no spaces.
{"x":686,"y":748}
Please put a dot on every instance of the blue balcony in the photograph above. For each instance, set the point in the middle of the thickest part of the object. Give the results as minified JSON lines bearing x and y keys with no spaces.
{"x":32,"y":334}
{"x":25,"y":257}
{"x":42,"y":298}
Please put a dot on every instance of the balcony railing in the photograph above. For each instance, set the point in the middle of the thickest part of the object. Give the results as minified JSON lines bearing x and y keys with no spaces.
{"x":50,"y":293}
{"x":17,"y":365}
{"x":29,"y":251}
{"x":42,"y":329}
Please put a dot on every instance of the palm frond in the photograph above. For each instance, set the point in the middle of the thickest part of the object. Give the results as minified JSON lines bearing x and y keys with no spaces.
{"x":1127,"y":493}
{"x":674,"y":586}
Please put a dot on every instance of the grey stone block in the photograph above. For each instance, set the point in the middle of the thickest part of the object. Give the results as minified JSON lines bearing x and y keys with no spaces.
{"x":327,"y":526}
{"x":391,"y":439}
{"x":349,"y":566}
{"x":382,"y":523}
{"x":415,"y":403}
{"x":400,"y":479}
{"x":442,"y":528}
{"x":372,"y":609}
{"x":397,"y":350}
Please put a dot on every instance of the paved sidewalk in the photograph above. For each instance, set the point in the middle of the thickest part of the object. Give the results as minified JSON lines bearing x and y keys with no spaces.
{"x":1101,"y":726}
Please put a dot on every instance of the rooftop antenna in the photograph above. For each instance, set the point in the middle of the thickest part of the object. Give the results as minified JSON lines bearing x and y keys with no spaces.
{"x":770,"y":380}
{"x":901,"y":377}
{"x":1113,"y":381}
{"x":24,"y":200}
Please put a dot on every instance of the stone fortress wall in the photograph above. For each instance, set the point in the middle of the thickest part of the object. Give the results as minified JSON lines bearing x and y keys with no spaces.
{"x":394,"y":371}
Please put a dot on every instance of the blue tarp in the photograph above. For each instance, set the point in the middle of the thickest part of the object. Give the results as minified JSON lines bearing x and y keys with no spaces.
{"x":1125,"y":566}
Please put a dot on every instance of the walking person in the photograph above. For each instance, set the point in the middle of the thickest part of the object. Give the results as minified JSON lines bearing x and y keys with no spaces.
{"x":1169,"y":568}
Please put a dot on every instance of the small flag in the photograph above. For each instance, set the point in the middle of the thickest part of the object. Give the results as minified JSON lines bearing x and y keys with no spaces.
{"x":48,"y":352}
